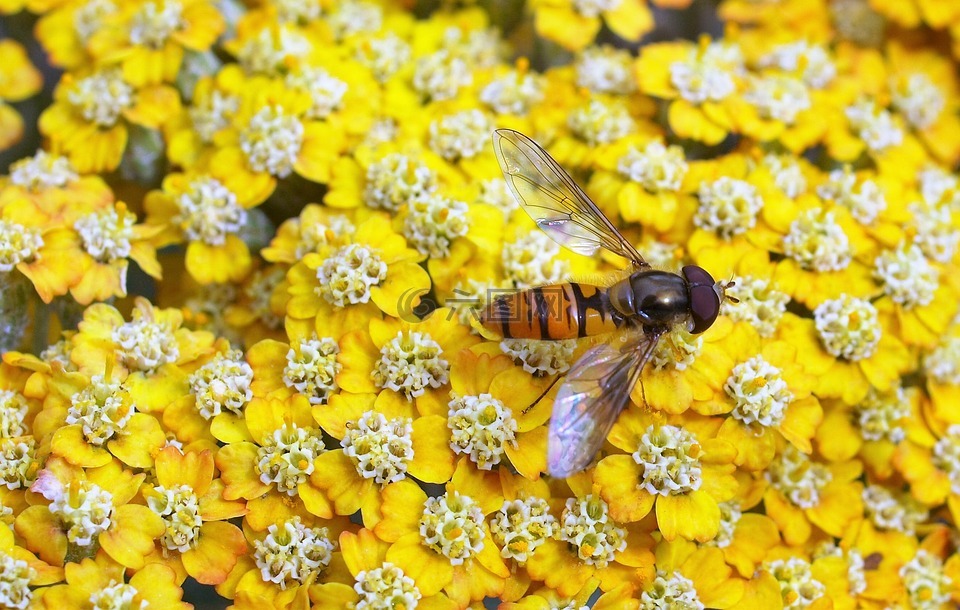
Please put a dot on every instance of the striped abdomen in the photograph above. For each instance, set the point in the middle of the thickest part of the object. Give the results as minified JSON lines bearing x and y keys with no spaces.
{"x":557,"y":311}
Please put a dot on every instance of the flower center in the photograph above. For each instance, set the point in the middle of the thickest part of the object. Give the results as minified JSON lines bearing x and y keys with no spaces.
{"x":599,"y":122}
{"x":706,"y":75}
{"x":761,"y":305}
{"x":943,"y":363}
{"x":817,"y":242}
{"x":13,"y":410}
{"x":778,"y":97}
{"x":669,"y":592}
{"x":106,"y":234}
{"x":272,"y":141}
{"x":179,"y":508}
{"x":452,"y":525}
{"x":433,"y":222}
{"x":101,"y":97}
{"x":874,"y":125}
{"x":670,"y":458}
{"x":907,"y":276}
{"x":395,"y":180}
{"x":315,"y":236}
{"x":531,"y":261}
{"x":462,"y":135}
{"x":153,"y":24}
{"x":812,"y":62}
{"x":521,"y":526}
{"x":325,"y":90}
{"x":605,"y":69}
{"x":897,"y":513}
{"x":927,"y":585}
{"x":798,"y":588}
{"x":881,"y":416}
{"x":939,"y":187}
{"x":102,"y":409}
{"x":848,"y":326}
{"x":15,"y":577}
{"x":353,"y":17}
{"x":18,"y":244}
{"x":410,"y":363}
{"x":677,"y":349}
{"x":797,"y":478}
{"x":513,"y":93}
{"x":286,"y":456}
{"x":89,"y":17}
{"x":212,"y":113}
{"x":918,"y":99}
{"x":42,"y":171}
{"x":18,"y":462}
{"x":540,"y":358}
{"x":297,"y":11}
{"x":657,"y":168}
{"x":495,"y":192}
{"x":760,"y":393}
{"x":730,"y":514}
{"x":934,"y":231}
{"x":586,"y":525}
{"x":84,"y":509}
{"x":946,"y":456}
{"x":222,"y":383}
{"x":117,"y":596}
{"x":727,"y":207}
{"x":386,"y":588}
{"x":145,"y":345}
{"x":209,"y":212}
{"x":865,"y":201}
{"x":312,"y":368}
{"x":380,"y":448}
{"x":345,"y":278}
{"x":440,"y":75}
{"x":479,"y":427}
{"x":787,"y":174}
{"x":384,"y":56}
{"x":292,"y":552}
{"x":273,"y":51}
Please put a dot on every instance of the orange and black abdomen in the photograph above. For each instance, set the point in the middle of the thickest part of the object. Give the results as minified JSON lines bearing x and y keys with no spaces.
{"x":556,"y":311}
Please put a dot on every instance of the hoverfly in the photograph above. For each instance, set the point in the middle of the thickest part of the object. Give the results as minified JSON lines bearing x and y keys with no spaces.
{"x":635,"y":309}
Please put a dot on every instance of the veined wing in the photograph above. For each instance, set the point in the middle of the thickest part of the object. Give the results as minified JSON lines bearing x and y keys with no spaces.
{"x":594,"y":393}
{"x":554,"y":201}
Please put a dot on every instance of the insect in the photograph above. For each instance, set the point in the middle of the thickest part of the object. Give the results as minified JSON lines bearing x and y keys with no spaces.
{"x":635,"y":310}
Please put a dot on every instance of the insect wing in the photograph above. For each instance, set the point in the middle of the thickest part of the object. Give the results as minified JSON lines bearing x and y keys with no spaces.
{"x":594,"y":393}
{"x":554,"y":201}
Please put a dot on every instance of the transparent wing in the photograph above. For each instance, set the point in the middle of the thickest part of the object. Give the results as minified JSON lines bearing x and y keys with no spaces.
{"x":554,"y":201}
{"x":594,"y":393}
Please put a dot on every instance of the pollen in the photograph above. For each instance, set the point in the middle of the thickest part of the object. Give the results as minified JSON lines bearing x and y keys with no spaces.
{"x":85,"y":510}
{"x":600,"y":122}
{"x":865,"y":200}
{"x":761,"y":304}
{"x":540,"y":358}
{"x":102,"y":409}
{"x":144,"y":344}
{"x":657,"y":168}
{"x":179,"y":508}
{"x":513,"y":93}
{"x":893,"y":512}
{"x":677,"y":349}
{"x":798,"y":478}
{"x":605,"y":69}
{"x":730,"y":514}
{"x":874,"y":125}
{"x":907,"y":276}
{"x":727,"y":207}
{"x":345,"y":278}
{"x":18,"y":244}
{"x":521,"y":526}
{"x":42,"y":171}
{"x":586,"y":525}
{"x":671,"y":591}
{"x":116,"y":595}
{"x":433,"y":222}
{"x":154,"y":22}
{"x":943,"y":363}
{"x":760,"y":393}
{"x":222,"y":384}
{"x":18,"y":462}
{"x":669,"y":458}
{"x":209,"y":212}
{"x":811,"y":62}
{"x":881,"y":416}
{"x":593,"y":8}
{"x":101,"y":97}
{"x":849,"y":327}
{"x":462,"y":135}
{"x":935,"y":232}
{"x":532,"y":260}
{"x":480,"y":426}
{"x":817,"y":242}
{"x":778,"y":97}
{"x":212,"y":113}
{"x":946,"y":456}
{"x":440,"y":75}
{"x":286,"y":456}
{"x":396,"y":179}
{"x":106,"y":234}
{"x":312,"y":368}
{"x":452,"y":525}
{"x":15,"y":577}
{"x":918,"y":99}
{"x":292,"y":553}
{"x":271,"y":141}
{"x":798,"y":587}
{"x":384,"y":56}
{"x":381,"y":448}
{"x":787,"y":174}
{"x":13,"y":410}
{"x":410,"y":363}
{"x":273,"y":50}
{"x":928,"y":585}
{"x":325,"y":90}
{"x":386,"y":588}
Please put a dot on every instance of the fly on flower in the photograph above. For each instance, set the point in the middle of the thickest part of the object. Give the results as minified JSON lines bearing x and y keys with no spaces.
{"x":634,"y":309}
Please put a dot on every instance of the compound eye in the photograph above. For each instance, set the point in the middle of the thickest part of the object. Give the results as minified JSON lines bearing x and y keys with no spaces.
{"x":704,"y":300}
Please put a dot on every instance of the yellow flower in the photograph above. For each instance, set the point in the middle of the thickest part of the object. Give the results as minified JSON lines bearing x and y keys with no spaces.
{"x":21,"y":571}
{"x":573,"y":24}
{"x":191,"y":134}
{"x":66,"y":28}
{"x":692,"y":574}
{"x":343,"y":288}
{"x":18,"y":81}
{"x":681,"y":467}
{"x":315,"y":228}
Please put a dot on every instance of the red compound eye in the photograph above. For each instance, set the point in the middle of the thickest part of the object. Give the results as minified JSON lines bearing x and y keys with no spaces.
{"x":704,"y":300}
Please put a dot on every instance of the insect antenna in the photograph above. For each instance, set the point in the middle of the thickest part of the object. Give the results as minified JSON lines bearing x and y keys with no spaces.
{"x":728,"y":297}
{"x":542,"y":394}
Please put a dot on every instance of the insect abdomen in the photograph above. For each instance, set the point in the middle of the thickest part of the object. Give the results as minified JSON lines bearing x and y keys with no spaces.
{"x":556,"y":311}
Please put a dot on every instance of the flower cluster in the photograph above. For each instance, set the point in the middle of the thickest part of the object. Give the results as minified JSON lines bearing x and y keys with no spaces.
{"x":306,"y":412}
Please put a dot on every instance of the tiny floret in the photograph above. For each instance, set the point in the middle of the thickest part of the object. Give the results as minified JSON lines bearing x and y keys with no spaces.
{"x":882,"y":416}
{"x":179,"y":508}
{"x":897,"y":513}
{"x":212,"y":113}
{"x":15,"y":577}
{"x":585,"y":524}
{"x":798,"y":587}
{"x":13,"y":410}
{"x":706,"y":76}
{"x":532,"y":260}
{"x":452,"y":525}
{"x":315,"y":236}
{"x":42,"y":171}
{"x":817,"y":242}
{"x":396,"y":179}
{"x":355,"y":17}
{"x":154,"y":22}
{"x":88,"y":18}
{"x":521,"y":526}
{"x":670,"y":592}
{"x":433,"y":222}
{"x":312,"y":368}
{"x":865,"y":200}
{"x":18,"y":244}
{"x":600,"y":122}
{"x":101,"y":97}
{"x":677,"y":349}
{"x":84,"y":508}
{"x":657,"y":168}
{"x":927,"y":583}
{"x":874,"y":125}
{"x":946,"y":456}
{"x":291,"y":552}
{"x":787,"y":174}
{"x":440,"y":75}
{"x":540,"y":358}
{"x":513,"y":93}
{"x":325,"y":90}
{"x":222,"y":384}
{"x":410,"y":363}
{"x":107,"y":234}
{"x":812,"y":61}
{"x":286,"y":457}
{"x":918,"y":99}
{"x":943,"y":363}
{"x":760,"y":393}
{"x":384,"y":56}
{"x":798,"y":478}
{"x":778,"y":97}
{"x":935,"y":232}
{"x":730,"y":514}
{"x":593,"y":8}
{"x":849,"y":327}
{"x":271,"y":141}
{"x":606,"y":69}
{"x":669,"y":457}
{"x":209,"y":212}
{"x":761,"y":304}
{"x":144,"y":344}
{"x":480,"y":426}
{"x":386,"y":588}
{"x":348,"y":274}
{"x":728,"y":207}
{"x":381,"y":448}
{"x":463,"y":135}
{"x":18,"y":462}
{"x":273,"y":50}
{"x":117,"y":595}
{"x":102,"y":409}
{"x":907,"y":276}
